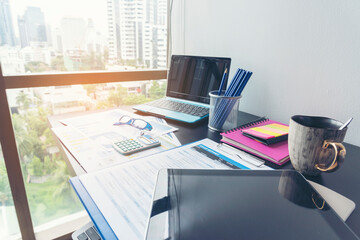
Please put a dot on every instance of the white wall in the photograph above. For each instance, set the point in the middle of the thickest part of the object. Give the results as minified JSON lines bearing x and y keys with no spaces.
{"x":305,"y":55}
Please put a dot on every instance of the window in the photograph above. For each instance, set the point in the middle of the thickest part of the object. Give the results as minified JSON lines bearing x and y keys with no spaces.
{"x":64,"y":57}
{"x":43,"y":37}
{"x":8,"y":221}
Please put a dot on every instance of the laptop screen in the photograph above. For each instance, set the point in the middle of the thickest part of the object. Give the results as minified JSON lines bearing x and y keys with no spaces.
{"x":193,"y":77}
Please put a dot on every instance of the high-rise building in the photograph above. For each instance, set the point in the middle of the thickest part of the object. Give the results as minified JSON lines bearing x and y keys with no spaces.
{"x":24,"y":40}
{"x":80,"y":41}
{"x":6,"y":26}
{"x":94,"y":40}
{"x":49,"y":35}
{"x":57,"y":40}
{"x":73,"y":33}
{"x":156,"y":33}
{"x":138,"y":31}
{"x":32,"y":26}
{"x":114,"y":38}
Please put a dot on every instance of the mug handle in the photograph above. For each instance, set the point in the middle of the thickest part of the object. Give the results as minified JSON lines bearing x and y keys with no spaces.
{"x":340,"y":153}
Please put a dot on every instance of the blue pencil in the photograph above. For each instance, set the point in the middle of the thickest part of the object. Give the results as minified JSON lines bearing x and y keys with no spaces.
{"x":222,"y":82}
{"x":231,"y":103}
{"x":220,"y":105}
{"x":229,"y":91}
{"x":225,"y":106}
{"x":226,"y":109}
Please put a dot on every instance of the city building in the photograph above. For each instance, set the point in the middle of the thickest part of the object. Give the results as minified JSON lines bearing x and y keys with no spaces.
{"x":11,"y":60}
{"x":94,"y":41}
{"x":137,"y":32}
{"x":6,"y":26}
{"x":64,"y":99}
{"x":81,"y":44}
{"x":37,"y":53}
{"x":32,"y":26}
{"x":57,"y":40}
{"x":73,"y":33}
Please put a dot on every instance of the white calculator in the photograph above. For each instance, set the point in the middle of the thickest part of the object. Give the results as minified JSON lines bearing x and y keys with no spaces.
{"x":133,"y":145}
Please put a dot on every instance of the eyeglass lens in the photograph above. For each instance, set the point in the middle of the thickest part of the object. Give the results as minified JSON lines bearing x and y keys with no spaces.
{"x":139,"y":123}
{"x":125,"y":119}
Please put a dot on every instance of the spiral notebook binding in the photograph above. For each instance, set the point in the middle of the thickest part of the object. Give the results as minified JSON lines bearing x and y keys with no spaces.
{"x":249,"y":124}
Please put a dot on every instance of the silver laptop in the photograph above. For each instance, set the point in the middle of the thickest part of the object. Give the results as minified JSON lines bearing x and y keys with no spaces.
{"x":190,"y":80}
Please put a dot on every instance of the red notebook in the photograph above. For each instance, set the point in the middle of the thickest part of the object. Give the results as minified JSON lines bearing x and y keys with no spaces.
{"x":277,"y":153}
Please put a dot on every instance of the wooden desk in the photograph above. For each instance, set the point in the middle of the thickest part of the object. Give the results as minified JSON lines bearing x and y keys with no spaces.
{"x":345,"y":181}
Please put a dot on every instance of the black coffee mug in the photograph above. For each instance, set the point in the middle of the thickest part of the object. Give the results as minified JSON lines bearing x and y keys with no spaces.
{"x":315,"y":144}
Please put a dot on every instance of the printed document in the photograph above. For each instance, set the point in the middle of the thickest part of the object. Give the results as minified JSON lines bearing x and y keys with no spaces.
{"x":124,"y":192}
{"x":89,"y":138}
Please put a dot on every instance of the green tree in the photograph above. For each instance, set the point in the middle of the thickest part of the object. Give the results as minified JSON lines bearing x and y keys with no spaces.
{"x":57,"y":64}
{"x":103,"y":104}
{"x":35,"y":167}
{"x":23,"y":142}
{"x":49,"y":165}
{"x":92,"y":62}
{"x":5,"y":193}
{"x":38,"y":99}
{"x":90,"y":89}
{"x":36,"y":124}
{"x":156,"y":90}
{"x":37,"y":121}
{"x":116,"y":97}
{"x":63,"y":191}
{"x":23,"y":100}
{"x":134,"y":99}
{"x":131,"y":62}
{"x":49,"y":140}
{"x":36,"y":66}
{"x":53,"y":198}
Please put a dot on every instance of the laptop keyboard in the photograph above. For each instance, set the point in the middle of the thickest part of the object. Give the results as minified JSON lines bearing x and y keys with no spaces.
{"x":180,"y":107}
{"x":89,"y":234}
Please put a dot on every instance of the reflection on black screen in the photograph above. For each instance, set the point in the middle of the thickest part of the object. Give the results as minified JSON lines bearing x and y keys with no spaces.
{"x":244,"y":204}
{"x":193,"y":77}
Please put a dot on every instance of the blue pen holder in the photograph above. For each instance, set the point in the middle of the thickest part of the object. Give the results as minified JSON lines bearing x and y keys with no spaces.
{"x":223,"y":111}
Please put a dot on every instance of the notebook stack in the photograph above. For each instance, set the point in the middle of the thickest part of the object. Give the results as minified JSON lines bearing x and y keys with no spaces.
{"x":264,"y":138}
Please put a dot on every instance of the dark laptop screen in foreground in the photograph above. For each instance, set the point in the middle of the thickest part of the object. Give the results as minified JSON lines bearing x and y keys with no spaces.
{"x":193,"y":77}
{"x":240,"y":204}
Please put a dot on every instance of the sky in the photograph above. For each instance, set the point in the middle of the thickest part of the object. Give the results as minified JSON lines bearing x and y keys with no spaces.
{"x":55,"y":10}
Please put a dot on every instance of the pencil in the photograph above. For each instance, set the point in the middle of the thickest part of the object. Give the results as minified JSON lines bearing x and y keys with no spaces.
{"x":224,"y":106}
{"x":222,"y":82}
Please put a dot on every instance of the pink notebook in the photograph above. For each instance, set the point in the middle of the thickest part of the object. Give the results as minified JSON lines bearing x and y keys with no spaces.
{"x":277,"y":153}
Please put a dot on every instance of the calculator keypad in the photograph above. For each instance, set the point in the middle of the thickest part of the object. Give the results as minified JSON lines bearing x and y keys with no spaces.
{"x":128,"y":145}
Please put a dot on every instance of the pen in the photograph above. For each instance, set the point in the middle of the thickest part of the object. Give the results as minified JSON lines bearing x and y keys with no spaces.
{"x":222,"y":82}
{"x":243,"y":155}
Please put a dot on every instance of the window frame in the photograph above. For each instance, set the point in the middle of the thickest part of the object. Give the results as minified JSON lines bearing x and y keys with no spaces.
{"x":7,"y":137}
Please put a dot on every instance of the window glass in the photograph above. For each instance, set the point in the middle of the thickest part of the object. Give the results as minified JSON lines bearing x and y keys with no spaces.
{"x":44,"y":170}
{"x":45,"y":173}
{"x":59,"y":36}
{"x":9,"y":226}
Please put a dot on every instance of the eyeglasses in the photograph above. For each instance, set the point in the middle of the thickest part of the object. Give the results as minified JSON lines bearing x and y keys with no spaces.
{"x":137,"y":123}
